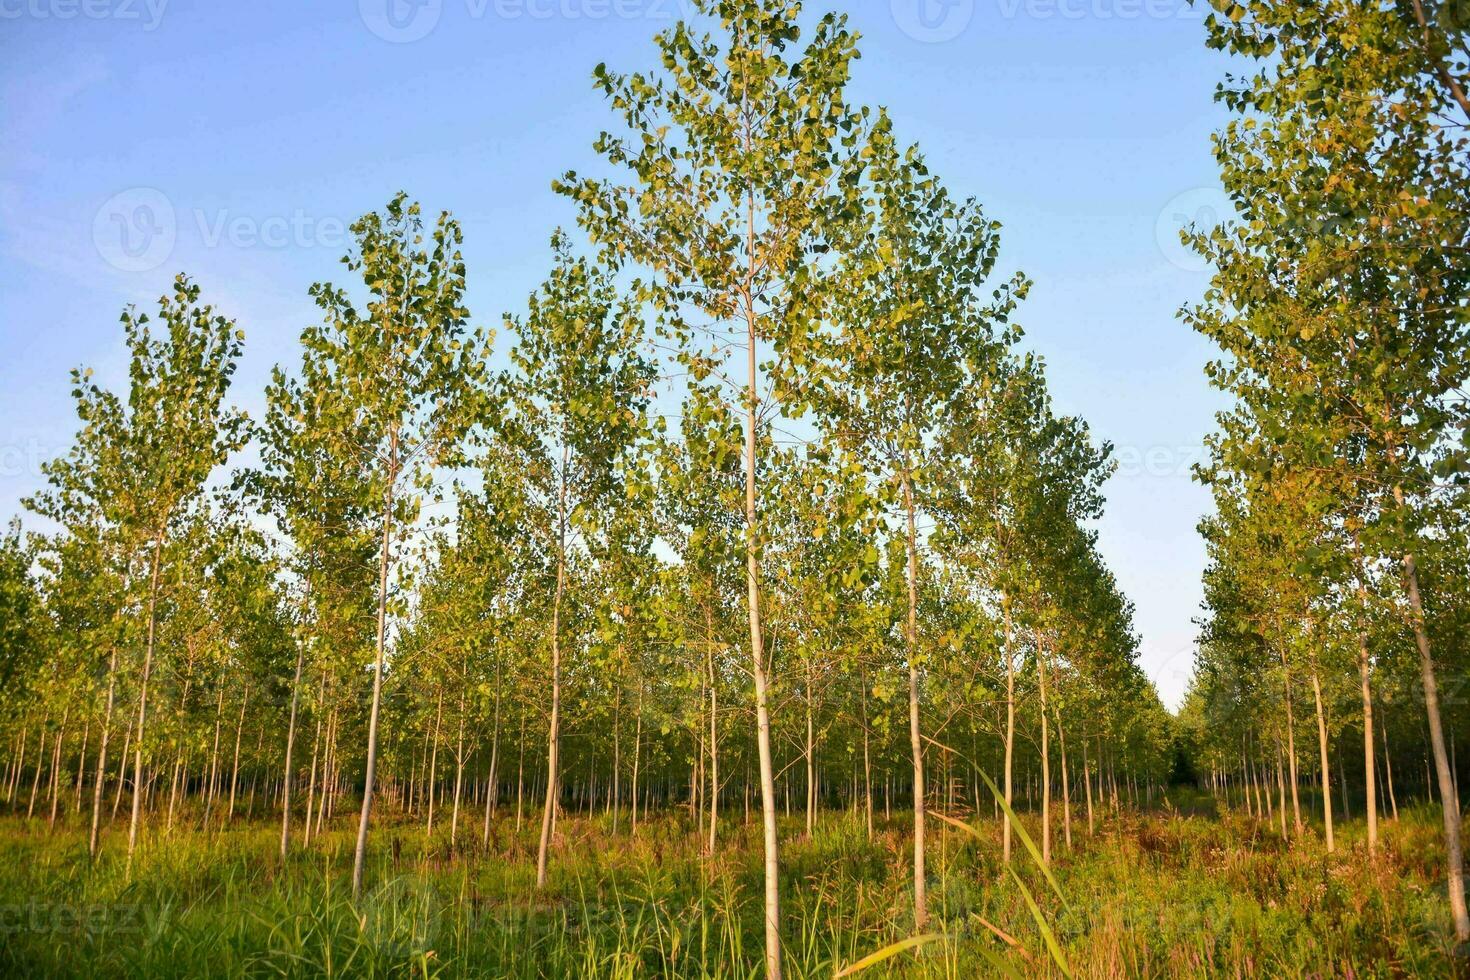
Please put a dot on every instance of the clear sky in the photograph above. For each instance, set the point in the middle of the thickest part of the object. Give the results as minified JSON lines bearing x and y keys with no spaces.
{"x":236,"y":141}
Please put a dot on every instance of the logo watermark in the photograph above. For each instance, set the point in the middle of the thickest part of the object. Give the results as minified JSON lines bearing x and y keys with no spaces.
{"x":932,"y":21}
{"x":406,"y":21}
{"x":148,"y":14}
{"x":136,"y":230}
{"x":1198,"y":210}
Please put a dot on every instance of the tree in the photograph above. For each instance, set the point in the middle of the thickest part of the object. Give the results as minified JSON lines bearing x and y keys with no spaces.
{"x":410,"y":374}
{"x":578,"y":401}
{"x":910,"y":332}
{"x":144,"y":459}
{"x":733,"y":212}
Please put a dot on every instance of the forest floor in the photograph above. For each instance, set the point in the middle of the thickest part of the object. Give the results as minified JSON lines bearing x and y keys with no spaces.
{"x":1162,"y":894}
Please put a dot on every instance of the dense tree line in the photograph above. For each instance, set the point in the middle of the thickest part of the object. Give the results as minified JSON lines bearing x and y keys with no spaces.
{"x":1338,"y":591}
{"x":766,"y":510}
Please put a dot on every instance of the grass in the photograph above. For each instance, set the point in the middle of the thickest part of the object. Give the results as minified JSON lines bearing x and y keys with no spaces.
{"x":1161,"y":894}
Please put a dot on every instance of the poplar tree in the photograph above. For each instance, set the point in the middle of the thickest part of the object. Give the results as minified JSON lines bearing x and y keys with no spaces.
{"x":742,"y":161}
{"x":410,"y":373}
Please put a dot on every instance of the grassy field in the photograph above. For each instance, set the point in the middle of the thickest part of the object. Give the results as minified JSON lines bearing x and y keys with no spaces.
{"x":1165,"y":894}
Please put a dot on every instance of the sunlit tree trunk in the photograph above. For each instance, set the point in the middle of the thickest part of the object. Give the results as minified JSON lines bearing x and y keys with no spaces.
{"x":916,"y":744}
{"x":1005,"y":830}
{"x":492,"y":788}
{"x":93,"y":834}
{"x":714,"y":737}
{"x":151,"y":635}
{"x":235,"y":765}
{"x":1045,"y":759}
{"x":56,"y":770}
{"x":1449,"y":798}
{"x":458,"y":763}
{"x":1296,"y":803}
{"x":772,"y":862}
{"x":1087,"y":787}
{"x":286,"y":774}
{"x":1322,"y":749}
{"x":431,"y":781}
{"x":359,"y":856}
{"x":553,"y":738}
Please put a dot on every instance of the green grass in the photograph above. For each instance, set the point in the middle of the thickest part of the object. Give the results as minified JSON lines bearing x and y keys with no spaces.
{"x":1155,"y":895}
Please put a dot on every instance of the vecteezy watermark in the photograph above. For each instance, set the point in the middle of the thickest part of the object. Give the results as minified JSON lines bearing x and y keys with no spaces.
{"x":136,"y":230}
{"x":1200,"y":210}
{"x":1103,"y":9}
{"x":932,"y":21}
{"x":404,"y":21}
{"x":1162,"y":462}
{"x":24,"y":459}
{"x":65,"y":918}
{"x":146,"y":13}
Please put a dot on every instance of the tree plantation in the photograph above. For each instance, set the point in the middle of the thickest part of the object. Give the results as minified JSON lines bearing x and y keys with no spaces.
{"x":734,"y":606}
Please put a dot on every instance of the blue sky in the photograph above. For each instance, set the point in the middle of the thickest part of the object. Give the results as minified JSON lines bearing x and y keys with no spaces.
{"x":237,"y":141}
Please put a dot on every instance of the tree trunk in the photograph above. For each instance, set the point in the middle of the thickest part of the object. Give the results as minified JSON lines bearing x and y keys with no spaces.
{"x":1045,"y":761}
{"x":714,"y":738}
{"x":432,"y":781}
{"x":235,"y":765}
{"x":143,"y":699}
{"x":56,"y":770}
{"x":93,"y":834}
{"x":1296,"y":803}
{"x":1005,"y":830}
{"x":1322,"y":749}
{"x":1449,"y":799}
{"x":553,"y":737}
{"x":458,"y":761}
{"x":359,"y":854}
{"x":867,"y":762}
{"x":1087,"y":786}
{"x":492,"y":788}
{"x":1388,"y":774}
{"x":916,"y":744}
{"x":637,"y":755}
{"x":772,"y":863}
{"x":286,"y":774}
{"x":1066,"y":783}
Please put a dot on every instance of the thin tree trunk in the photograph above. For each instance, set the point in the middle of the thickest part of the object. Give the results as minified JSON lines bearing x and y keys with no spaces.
{"x":772,"y":863}
{"x":553,"y":737}
{"x":1296,"y":804}
{"x":1087,"y":786}
{"x":637,"y":754}
{"x":56,"y":770}
{"x":235,"y":765}
{"x":152,"y":631}
{"x":1449,"y":799}
{"x":433,"y":777}
{"x":1066,"y":782}
{"x":1322,"y":749}
{"x":714,"y":738}
{"x":122,"y":770}
{"x":1388,"y":774}
{"x":492,"y":788}
{"x":1005,"y":830}
{"x":93,"y":834}
{"x":286,"y":774}
{"x":458,"y":763}
{"x":916,"y":744}
{"x":1045,"y":760}
{"x":359,"y":855}
{"x":867,"y":761}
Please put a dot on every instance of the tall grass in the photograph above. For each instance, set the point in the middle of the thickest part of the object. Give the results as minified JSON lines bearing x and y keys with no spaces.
{"x":1186,"y":893}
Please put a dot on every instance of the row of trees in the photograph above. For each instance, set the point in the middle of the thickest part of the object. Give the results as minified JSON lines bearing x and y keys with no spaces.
{"x":766,"y":499}
{"x":1339,"y":578}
